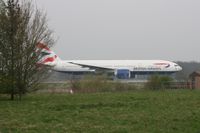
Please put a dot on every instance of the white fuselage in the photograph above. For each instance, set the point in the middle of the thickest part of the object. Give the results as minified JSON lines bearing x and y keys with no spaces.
{"x":131,"y":65}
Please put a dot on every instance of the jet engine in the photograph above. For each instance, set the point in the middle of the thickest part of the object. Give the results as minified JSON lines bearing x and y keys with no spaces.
{"x":122,"y":73}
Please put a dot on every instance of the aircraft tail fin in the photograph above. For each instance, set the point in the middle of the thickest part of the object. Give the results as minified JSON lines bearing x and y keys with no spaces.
{"x":47,"y":56}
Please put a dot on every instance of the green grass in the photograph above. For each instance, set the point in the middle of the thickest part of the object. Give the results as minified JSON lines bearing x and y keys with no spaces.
{"x":171,"y":111}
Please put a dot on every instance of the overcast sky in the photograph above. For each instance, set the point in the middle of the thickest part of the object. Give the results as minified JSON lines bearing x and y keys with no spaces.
{"x":125,"y":29}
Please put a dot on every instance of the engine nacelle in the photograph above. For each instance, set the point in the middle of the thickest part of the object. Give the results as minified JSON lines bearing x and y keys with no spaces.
{"x":123,"y":73}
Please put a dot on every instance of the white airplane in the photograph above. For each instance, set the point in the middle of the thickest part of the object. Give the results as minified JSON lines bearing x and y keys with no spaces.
{"x":120,"y":68}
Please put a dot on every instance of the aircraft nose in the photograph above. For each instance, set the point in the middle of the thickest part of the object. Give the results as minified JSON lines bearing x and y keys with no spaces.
{"x":179,"y":68}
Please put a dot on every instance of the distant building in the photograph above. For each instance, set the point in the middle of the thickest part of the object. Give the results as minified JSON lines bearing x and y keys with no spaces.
{"x":195,"y":80}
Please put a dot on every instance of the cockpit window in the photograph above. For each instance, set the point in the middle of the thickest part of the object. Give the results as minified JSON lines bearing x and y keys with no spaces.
{"x":175,"y":65}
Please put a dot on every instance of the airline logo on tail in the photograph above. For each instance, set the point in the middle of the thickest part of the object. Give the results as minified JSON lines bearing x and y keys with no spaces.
{"x":47,"y":56}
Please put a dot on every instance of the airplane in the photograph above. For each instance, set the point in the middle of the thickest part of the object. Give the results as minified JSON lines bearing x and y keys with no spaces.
{"x":122,"y":69}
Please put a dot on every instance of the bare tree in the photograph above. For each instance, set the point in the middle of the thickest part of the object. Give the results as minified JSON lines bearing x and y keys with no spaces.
{"x":22,"y":26}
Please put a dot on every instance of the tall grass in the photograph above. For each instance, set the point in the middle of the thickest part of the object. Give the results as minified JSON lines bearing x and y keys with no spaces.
{"x":92,"y":84}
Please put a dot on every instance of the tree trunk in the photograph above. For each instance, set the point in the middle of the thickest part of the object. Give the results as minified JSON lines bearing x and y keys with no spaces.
{"x":12,"y":96}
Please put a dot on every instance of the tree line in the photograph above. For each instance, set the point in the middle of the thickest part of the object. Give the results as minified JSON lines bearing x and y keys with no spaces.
{"x":188,"y":68}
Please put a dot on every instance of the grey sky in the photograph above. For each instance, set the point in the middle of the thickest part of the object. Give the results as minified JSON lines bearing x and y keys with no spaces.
{"x":125,"y":29}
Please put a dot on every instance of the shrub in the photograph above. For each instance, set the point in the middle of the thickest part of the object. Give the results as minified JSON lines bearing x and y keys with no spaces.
{"x":100,"y":83}
{"x":156,"y":82}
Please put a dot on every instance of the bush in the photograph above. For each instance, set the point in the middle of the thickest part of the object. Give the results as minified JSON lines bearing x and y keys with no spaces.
{"x":156,"y":82}
{"x":101,"y":83}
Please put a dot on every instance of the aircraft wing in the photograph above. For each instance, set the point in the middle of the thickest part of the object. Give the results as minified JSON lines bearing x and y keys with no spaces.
{"x":96,"y":68}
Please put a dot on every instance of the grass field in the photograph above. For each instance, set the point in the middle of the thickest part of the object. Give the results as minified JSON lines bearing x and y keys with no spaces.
{"x":171,"y":111}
